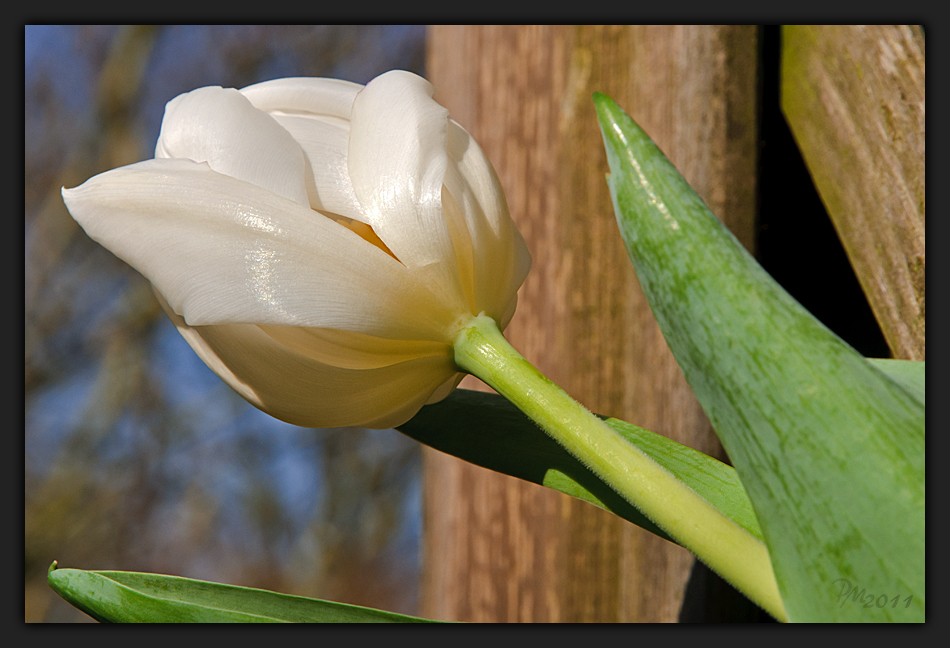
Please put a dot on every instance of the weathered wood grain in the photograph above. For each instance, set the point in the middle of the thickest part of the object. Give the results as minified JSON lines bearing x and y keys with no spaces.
{"x":853,"y":97}
{"x":497,"y":549}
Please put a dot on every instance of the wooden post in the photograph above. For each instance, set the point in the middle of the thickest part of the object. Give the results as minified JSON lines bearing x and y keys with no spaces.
{"x":853,"y":96}
{"x":495,"y":548}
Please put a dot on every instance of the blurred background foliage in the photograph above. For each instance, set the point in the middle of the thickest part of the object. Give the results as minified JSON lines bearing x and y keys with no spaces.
{"x":137,"y":457}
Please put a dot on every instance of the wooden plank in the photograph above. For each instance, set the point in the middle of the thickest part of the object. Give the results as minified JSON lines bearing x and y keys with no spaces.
{"x":853,"y":97}
{"x":497,"y":549}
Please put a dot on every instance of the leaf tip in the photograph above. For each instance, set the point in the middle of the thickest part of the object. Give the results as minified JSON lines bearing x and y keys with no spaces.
{"x":622,"y":135}
{"x":607,"y":110}
{"x":55,"y":578}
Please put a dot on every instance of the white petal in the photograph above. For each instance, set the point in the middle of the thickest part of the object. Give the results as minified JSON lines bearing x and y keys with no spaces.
{"x":500,"y":257}
{"x":349,"y":350}
{"x":221,"y":127}
{"x":303,"y":391}
{"x":306,"y":95}
{"x":325,"y":146}
{"x":445,"y":389}
{"x":508,"y":312}
{"x":397,"y":159}
{"x":225,"y":251}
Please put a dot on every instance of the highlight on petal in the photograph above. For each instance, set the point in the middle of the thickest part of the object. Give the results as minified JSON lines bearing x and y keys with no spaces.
{"x":500,"y":258}
{"x":397,"y":163}
{"x":325,"y":146}
{"x":302,"y":390}
{"x":224,"y":251}
{"x":307,"y":95}
{"x":221,"y":127}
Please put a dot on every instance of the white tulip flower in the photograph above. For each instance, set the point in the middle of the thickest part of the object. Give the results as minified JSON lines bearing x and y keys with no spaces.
{"x":340,"y":255}
{"x":318,"y":243}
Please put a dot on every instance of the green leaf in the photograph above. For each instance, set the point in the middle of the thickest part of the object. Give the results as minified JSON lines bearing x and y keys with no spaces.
{"x":488,"y":431}
{"x":829,"y":448}
{"x":132,"y":597}
{"x":909,"y":373}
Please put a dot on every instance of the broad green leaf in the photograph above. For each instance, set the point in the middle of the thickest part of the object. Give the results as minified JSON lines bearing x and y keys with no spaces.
{"x":488,"y":431}
{"x":132,"y":597}
{"x":828,"y":447}
{"x":909,"y":373}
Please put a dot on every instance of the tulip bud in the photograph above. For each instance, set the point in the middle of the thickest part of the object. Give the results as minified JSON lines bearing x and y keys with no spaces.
{"x":318,"y":243}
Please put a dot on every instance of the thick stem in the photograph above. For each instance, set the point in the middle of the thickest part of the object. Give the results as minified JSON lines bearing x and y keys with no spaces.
{"x":720,"y":543}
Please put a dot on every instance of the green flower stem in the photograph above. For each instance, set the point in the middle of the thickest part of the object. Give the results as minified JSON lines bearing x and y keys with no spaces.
{"x":724,"y":546}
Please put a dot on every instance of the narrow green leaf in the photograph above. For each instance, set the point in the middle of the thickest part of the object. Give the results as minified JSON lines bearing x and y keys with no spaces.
{"x":488,"y":431}
{"x":133,"y":597}
{"x":829,"y":448}
{"x":715,"y":481}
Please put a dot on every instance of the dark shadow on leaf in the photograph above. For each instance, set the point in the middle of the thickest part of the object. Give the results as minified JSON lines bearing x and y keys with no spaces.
{"x":488,"y":431}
